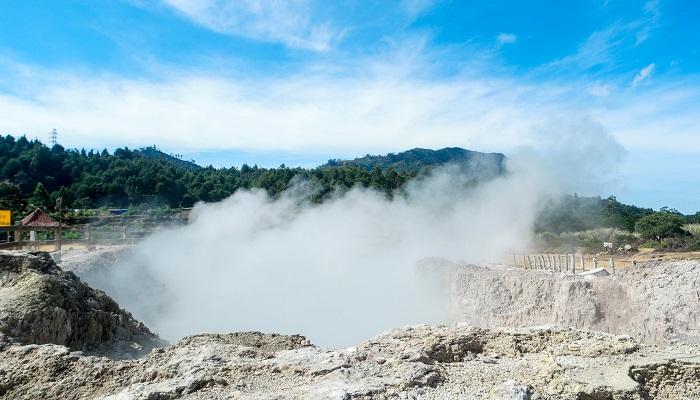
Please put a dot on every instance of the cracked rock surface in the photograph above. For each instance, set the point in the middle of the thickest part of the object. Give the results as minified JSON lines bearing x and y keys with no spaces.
{"x":419,"y":362}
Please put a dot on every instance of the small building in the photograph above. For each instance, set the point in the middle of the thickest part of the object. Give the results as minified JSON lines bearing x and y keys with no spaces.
{"x":39,"y":219}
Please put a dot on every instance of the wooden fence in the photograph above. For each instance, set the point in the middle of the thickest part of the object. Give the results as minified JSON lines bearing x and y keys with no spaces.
{"x":570,"y":262}
{"x":18,"y":237}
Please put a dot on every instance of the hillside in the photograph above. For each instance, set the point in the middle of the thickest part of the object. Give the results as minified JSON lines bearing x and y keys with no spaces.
{"x":33,"y":175}
{"x":416,"y":159}
{"x":154,"y":153}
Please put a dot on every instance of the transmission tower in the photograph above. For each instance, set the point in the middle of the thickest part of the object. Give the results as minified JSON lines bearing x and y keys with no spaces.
{"x":52,"y":137}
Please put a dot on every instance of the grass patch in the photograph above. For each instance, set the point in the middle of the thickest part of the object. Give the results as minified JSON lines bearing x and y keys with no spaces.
{"x":694,"y":229}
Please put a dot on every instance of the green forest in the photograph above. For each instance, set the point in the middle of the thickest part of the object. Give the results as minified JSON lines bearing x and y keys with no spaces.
{"x":33,"y":175}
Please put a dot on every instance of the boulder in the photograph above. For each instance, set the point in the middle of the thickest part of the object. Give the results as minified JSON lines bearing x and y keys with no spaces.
{"x":40,"y":303}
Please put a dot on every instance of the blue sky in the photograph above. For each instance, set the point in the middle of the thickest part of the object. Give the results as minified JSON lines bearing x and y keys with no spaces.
{"x":301,"y":81}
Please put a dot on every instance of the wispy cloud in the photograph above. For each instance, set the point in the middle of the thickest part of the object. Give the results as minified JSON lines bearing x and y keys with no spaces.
{"x":416,"y":7}
{"x":598,"y":49}
{"x":599,"y":89}
{"x":643,"y":74}
{"x":652,"y":11}
{"x":370,"y":106}
{"x":290,"y":22}
{"x":505,"y":38}
{"x":604,"y":48}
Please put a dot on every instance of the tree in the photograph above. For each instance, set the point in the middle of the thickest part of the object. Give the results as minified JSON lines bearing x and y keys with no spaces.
{"x":10,"y":196}
{"x":40,"y":198}
{"x":660,"y":225}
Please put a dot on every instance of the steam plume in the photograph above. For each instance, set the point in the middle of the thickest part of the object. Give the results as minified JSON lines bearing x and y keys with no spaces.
{"x":338,"y":272}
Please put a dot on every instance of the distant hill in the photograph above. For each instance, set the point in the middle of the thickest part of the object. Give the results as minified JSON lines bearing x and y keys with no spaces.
{"x":417,"y":159}
{"x":154,"y":153}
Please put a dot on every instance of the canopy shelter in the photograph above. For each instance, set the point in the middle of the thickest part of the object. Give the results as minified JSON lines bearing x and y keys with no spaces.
{"x":39,"y":218}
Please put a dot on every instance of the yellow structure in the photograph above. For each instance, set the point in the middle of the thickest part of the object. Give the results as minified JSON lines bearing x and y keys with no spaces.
{"x":5,"y":218}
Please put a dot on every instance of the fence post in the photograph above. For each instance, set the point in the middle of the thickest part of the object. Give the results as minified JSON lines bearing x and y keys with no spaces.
{"x":612,"y":264}
{"x":595,"y":263}
{"x":583,"y":265}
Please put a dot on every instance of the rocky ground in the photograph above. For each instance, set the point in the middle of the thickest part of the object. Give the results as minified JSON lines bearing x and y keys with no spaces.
{"x":47,"y":314}
{"x":422,"y":362}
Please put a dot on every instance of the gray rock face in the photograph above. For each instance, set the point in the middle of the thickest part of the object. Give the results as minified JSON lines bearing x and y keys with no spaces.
{"x":420,"y":362}
{"x":40,"y":303}
{"x":653,"y":302}
{"x":46,"y":314}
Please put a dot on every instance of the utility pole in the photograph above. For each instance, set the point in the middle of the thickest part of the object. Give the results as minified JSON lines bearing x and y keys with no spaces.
{"x":59,"y":207}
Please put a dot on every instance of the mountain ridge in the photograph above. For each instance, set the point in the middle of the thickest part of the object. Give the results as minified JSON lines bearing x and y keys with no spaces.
{"x":154,"y":153}
{"x":420,"y":158}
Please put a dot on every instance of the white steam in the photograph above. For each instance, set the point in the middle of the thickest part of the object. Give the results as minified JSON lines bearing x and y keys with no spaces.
{"x":337,"y":272}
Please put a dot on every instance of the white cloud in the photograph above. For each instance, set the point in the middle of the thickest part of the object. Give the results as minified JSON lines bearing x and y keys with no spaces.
{"x":416,"y":7}
{"x":291,"y":22}
{"x":643,"y":74}
{"x":505,"y":38}
{"x":599,"y":89}
{"x":370,"y":106}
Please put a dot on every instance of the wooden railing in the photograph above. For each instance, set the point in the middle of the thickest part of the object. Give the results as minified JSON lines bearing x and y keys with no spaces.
{"x":15,"y":236}
{"x":572,"y":262}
